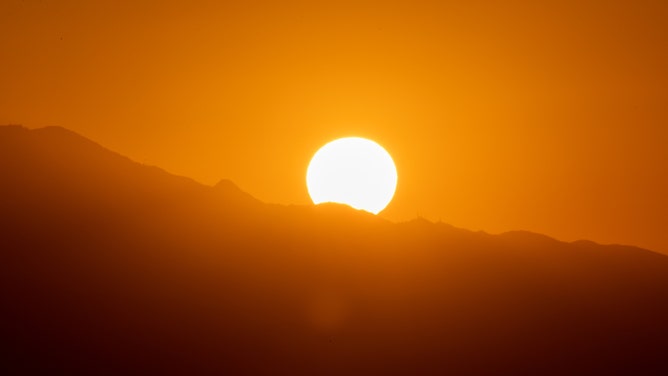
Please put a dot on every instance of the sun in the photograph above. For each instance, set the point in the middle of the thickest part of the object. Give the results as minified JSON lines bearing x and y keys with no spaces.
{"x":353,"y":171}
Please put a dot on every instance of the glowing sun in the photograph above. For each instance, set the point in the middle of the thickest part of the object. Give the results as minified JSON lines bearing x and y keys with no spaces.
{"x":352,"y":171}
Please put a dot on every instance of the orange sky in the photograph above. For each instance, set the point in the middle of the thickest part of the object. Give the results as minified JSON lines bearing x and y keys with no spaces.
{"x":544,"y":116}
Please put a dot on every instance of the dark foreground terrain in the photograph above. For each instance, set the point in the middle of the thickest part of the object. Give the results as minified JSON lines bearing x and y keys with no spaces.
{"x":111,"y":267}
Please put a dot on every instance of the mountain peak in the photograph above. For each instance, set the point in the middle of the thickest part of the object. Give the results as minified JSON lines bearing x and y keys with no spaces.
{"x":228,"y":189}
{"x":55,"y":129}
{"x":227,"y":184}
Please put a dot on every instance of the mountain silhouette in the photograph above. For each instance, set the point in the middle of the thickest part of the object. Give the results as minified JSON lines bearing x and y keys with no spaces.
{"x":112,"y":267}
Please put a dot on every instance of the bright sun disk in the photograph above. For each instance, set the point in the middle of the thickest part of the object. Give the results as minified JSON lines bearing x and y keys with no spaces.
{"x":353,"y":171}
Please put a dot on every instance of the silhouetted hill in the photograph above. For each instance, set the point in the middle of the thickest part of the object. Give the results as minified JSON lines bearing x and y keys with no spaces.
{"x":112,"y":267}
{"x":231,"y":192}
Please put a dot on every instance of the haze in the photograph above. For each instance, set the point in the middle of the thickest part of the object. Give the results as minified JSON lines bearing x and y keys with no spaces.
{"x":543,"y":116}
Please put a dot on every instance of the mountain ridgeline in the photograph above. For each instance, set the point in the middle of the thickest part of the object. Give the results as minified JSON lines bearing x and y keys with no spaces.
{"x":112,"y":267}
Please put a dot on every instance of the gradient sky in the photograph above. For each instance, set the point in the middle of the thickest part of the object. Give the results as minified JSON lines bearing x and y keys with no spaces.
{"x":547,"y":116}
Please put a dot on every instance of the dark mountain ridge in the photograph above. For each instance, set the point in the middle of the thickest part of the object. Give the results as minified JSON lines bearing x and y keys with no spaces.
{"x":109,"y":266}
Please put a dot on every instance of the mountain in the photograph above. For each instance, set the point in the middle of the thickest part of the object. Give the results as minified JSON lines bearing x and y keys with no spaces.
{"x":112,"y":267}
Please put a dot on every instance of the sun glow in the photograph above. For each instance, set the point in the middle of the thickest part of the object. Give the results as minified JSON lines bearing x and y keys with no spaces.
{"x":352,"y":171}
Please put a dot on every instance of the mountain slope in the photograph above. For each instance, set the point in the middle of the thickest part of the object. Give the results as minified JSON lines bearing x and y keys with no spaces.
{"x":109,"y":267}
